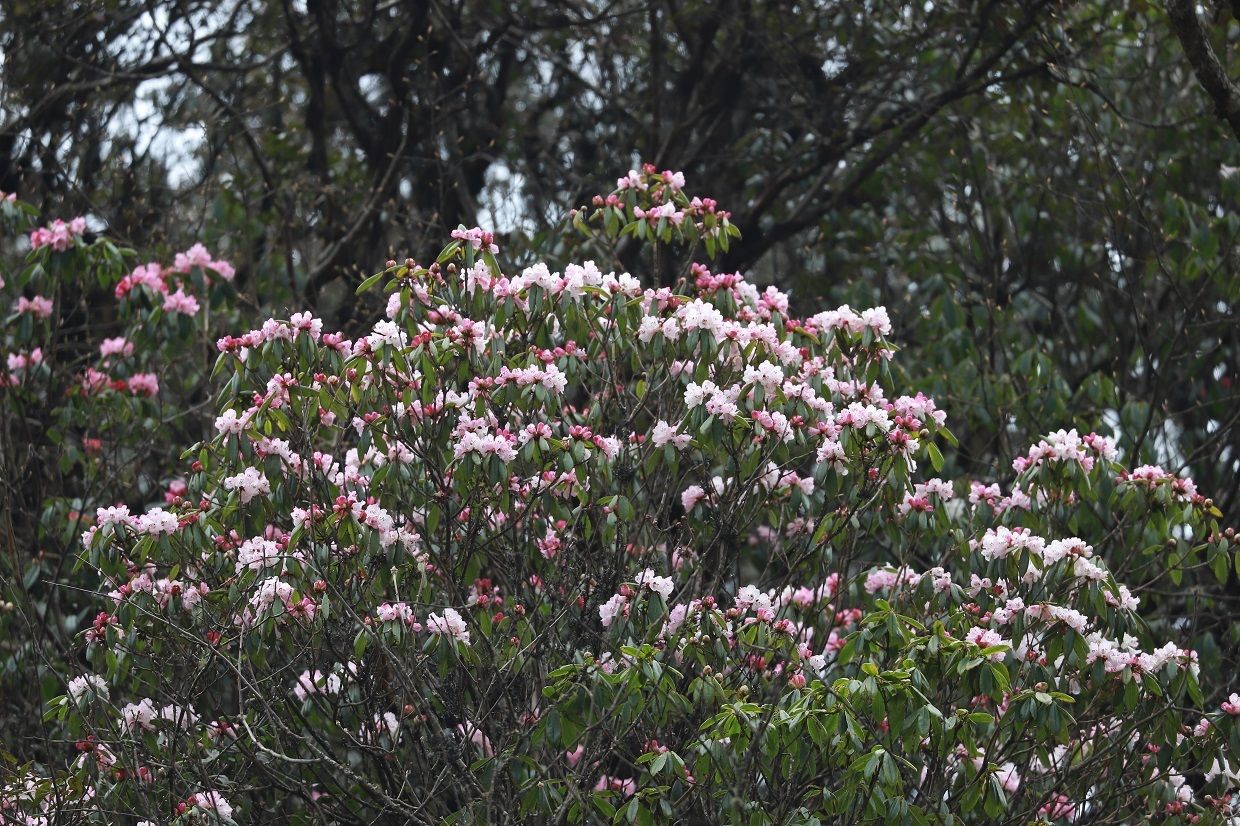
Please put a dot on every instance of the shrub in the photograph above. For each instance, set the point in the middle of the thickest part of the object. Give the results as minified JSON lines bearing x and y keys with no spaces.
{"x":554,"y":547}
{"x":103,"y":366}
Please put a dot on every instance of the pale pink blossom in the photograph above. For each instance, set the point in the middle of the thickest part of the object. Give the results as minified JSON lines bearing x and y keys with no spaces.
{"x":213,"y":802}
{"x":143,"y":384}
{"x":449,"y":624}
{"x":118,"y":346}
{"x":39,"y":306}
{"x":88,"y":686}
{"x":181,"y":302}
{"x":661,"y":585}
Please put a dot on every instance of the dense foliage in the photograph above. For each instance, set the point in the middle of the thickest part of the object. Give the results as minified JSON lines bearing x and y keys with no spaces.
{"x":557,"y":546}
{"x":101,"y":387}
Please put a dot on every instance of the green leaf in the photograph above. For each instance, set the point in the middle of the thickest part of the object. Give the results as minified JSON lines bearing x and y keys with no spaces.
{"x":1221,"y":566}
{"x":448,"y":252}
{"x":999,"y":672}
{"x":370,"y":282}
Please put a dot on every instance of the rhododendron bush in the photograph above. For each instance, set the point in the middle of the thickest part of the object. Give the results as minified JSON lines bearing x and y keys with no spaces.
{"x":551,"y":545}
{"x":103,"y":361}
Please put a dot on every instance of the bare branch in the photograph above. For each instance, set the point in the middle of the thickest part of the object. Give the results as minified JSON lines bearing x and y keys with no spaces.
{"x":1205,"y":62}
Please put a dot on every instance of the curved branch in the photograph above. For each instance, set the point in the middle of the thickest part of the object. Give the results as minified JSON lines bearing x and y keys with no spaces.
{"x":1205,"y":62}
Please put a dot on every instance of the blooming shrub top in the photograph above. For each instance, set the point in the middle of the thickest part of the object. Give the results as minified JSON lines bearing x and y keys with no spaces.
{"x":555,"y":546}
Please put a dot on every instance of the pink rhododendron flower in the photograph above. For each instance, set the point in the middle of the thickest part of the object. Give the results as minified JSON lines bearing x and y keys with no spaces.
{"x":140,"y":715}
{"x":661,"y":585}
{"x":88,"y":685}
{"x":986,"y":638}
{"x":213,"y":802}
{"x":690,"y":497}
{"x":624,"y":786}
{"x":38,"y":306}
{"x":612,"y":608}
{"x":449,"y":624}
{"x":118,"y":346}
{"x":143,"y":384}
{"x":181,"y":302}
{"x":58,"y":235}
{"x":249,"y":483}
{"x":477,"y":238}
{"x":156,"y":522}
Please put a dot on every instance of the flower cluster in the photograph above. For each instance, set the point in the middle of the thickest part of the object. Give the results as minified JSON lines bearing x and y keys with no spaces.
{"x":58,"y":235}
